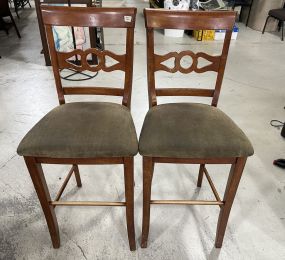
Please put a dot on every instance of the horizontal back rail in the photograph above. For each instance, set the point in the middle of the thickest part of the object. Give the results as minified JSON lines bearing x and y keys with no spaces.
{"x":89,"y":17}
{"x":198,"y":92}
{"x":93,"y":91}
{"x":198,"y":20}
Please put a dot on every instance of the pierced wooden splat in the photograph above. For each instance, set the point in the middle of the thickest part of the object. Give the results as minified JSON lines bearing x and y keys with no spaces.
{"x":64,"y":62}
{"x":213,"y":66}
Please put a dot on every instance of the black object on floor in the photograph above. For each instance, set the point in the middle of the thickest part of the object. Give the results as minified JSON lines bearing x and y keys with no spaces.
{"x":280,"y":163}
{"x":20,"y":4}
{"x":278,"y":124}
{"x":283,"y":131}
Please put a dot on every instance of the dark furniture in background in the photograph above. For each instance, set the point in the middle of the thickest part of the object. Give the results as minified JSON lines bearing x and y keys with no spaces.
{"x":156,"y":3}
{"x":5,"y":12}
{"x":20,"y":4}
{"x":243,"y":3}
{"x":278,"y":14}
{"x":230,"y":3}
{"x":283,"y":131}
{"x":85,"y":133}
{"x":190,"y":133}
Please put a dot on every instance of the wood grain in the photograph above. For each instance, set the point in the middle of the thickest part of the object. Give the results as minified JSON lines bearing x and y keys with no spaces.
{"x":196,"y":20}
{"x":89,"y":17}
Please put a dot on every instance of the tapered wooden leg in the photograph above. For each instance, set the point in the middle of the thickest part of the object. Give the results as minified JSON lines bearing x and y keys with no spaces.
{"x":129,"y":193}
{"x":231,"y":189}
{"x":200,"y":177}
{"x":265,"y":24}
{"x":148,"y":167}
{"x":37,"y":175}
{"x":77,"y":175}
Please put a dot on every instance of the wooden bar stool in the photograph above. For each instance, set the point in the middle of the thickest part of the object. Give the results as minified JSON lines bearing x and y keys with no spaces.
{"x":190,"y":133}
{"x":85,"y":132}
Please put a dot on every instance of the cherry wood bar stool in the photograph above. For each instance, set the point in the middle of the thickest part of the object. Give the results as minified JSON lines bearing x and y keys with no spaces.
{"x":85,"y":132}
{"x":190,"y":133}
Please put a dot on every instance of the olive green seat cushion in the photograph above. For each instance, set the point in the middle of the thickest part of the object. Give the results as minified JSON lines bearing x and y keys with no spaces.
{"x":82,"y":130}
{"x":187,"y":130}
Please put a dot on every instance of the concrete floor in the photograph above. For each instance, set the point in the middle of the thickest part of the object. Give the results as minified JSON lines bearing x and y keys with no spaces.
{"x":253,"y":93}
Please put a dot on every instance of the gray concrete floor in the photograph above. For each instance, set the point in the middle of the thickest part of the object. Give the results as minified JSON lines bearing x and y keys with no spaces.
{"x":253,"y":93}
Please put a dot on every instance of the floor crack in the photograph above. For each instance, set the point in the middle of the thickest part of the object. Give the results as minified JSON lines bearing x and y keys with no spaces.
{"x":74,"y":242}
{"x":5,"y":163}
{"x":81,"y":250}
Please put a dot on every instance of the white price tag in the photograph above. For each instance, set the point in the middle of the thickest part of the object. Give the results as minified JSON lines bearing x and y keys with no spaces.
{"x":127,"y":19}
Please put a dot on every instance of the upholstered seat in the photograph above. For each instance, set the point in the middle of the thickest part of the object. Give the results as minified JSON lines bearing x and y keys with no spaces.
{"x":82,"y":130}
{"x":278,"y":13}
{"x":185,"y":130}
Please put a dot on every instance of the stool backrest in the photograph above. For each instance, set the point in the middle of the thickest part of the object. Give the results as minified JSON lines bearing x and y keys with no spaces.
{"x":186,"y":20}
{"x":91,"y":17}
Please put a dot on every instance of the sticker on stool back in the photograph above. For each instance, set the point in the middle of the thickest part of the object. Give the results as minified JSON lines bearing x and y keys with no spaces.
{"x":127,"y":19}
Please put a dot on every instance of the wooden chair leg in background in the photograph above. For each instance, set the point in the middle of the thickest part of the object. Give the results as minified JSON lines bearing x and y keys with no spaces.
{"x":38,"y":178}
{"x":15,"y":26}
{"x":265,"y":24}
{"x":148,"y":168}
{"x":129,"y":194}
{"x":249,"y":11}
{"x":200,"y":177}
{"x":230,"y":192}
{"x":16,"y":8}
{"x":77,"y":175}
